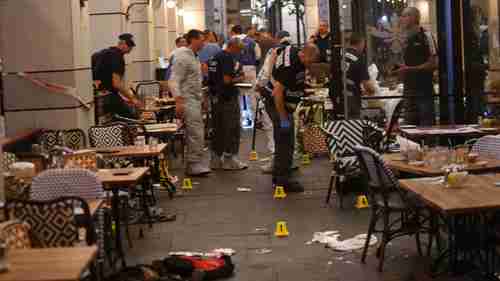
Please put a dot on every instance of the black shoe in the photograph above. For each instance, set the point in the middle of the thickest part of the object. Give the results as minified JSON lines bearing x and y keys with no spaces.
{"x":294,"y":187}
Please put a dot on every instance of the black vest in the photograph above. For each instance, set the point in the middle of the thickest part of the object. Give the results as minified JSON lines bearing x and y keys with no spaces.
{"x":418,"y":52}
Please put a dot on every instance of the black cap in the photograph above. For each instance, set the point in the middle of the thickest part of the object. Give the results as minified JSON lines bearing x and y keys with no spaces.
{"x":128,"y":39}
{"x":283,"y":34}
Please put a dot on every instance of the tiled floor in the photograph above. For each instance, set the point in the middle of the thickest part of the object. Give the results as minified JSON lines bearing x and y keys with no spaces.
{"x":216,"y":215}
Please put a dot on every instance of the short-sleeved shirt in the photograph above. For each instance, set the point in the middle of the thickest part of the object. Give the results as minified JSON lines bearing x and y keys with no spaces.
{"x":223,"y":64}
{"x":324,"y":45}
{"x":208,"y":52}
{"x":419,"y":49}
{"x":290,"y":72}
{"x":109,"y":61}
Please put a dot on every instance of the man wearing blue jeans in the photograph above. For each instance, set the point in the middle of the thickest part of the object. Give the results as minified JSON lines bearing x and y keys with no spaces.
{"x":283,"y":93}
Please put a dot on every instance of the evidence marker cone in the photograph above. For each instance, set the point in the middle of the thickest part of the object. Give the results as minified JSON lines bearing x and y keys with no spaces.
{"x":281,"y":229}
{"x":362,"y":202}
{"x":187,"y":184}
{"x":279,"y":192}
{"x":253,"y":156}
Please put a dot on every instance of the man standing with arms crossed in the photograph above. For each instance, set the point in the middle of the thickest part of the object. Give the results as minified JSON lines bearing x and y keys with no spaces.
{"x":186,"y":85}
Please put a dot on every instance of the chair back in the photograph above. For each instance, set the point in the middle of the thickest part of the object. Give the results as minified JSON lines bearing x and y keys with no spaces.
{"x":15,"y":234}
{"x":344,"y":135}
{"x":53,"y":183}
{"x":53,"y":223}
{"x":488,"y":147}
{"x":391,"y":127}
{"x":115,"y":134}
{"x":382,"y":184}
{"x":72,"y":138}
{"x":148,"y":93}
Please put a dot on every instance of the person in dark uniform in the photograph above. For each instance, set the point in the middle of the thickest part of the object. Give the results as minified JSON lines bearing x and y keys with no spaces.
{"x":420,"y":61}
{"x":286,"y":89}
{"x":357,"y":78}
{"x":108,"y":70}
{"x":223,"y":73}
{"x":323,"y":39}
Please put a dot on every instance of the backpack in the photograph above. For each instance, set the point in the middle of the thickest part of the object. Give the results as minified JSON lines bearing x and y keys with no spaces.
{"x":213,"y":268}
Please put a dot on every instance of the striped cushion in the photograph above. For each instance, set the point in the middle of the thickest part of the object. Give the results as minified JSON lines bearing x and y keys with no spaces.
{"x":347,"y":134}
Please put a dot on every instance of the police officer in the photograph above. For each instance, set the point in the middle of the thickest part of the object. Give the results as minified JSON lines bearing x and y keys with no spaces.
{"x":186,"y":84}
{"x":357,"y":75}
{"x":285,"y":91}
{"x":417,"y":71}
{"x":108,"y":71}
{"x":224,"y":72}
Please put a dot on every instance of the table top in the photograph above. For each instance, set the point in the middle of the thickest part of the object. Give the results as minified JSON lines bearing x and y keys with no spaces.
{"x":50,"y":264}
{"x":478,"y":193}
{"x":138,"y":151}
{"x":396,"y":162}
{"x":447,"y":131}
{"x":121,"y":177}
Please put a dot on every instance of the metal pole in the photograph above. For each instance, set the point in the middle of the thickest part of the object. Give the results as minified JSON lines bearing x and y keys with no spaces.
{"x":336,"y":81}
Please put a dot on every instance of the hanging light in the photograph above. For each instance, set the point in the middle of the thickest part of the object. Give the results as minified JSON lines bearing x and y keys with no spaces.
{"x":180,"y":12}
{"x":170,"y":4}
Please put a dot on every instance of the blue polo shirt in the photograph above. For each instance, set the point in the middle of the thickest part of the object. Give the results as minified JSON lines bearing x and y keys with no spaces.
{"x":208,"y":52}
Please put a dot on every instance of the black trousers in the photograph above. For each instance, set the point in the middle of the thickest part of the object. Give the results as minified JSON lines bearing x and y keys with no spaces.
{"x":227,"y":124}
{"x":284,"y":139}
{"x":420,"y":106}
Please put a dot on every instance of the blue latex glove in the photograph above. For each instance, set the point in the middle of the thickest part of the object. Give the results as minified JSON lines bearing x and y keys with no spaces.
{"x":285,"y":124}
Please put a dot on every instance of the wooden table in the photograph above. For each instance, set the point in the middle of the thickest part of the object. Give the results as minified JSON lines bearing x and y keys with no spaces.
{"x":114,"y":179}
{"x":447,"y":131}
{"x":396,"y":162}
{"x":479,"y":193}
{"x":121,"y":177}
{"x":464,"y":212}
{"x":144,"y":151}
{"x":51,"y":264}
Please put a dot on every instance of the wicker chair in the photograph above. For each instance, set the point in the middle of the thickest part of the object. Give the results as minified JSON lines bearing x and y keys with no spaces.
{"x":343,"y":136}
{"x":389,"y":201}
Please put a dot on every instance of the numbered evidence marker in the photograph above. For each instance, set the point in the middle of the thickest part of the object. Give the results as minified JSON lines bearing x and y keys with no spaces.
{"x":253,"y":156}
{"x":281,"y":229}
{"x":279,"y":193}
{"x":187,"y":184}
{"x":362,"y":202}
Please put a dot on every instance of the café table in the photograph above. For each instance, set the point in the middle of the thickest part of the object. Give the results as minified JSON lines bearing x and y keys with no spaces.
{"x":446,"y":131}
{"x":133,"y":151}
{"x":113,"y":180}
{"x":48,"y":264}
{"x":397,"y":162}
{"x":465,"y":211}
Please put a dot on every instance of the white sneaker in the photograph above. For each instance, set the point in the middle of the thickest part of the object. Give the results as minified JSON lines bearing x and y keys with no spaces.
{"x":232,"y":163}
{"x":197,"y":169}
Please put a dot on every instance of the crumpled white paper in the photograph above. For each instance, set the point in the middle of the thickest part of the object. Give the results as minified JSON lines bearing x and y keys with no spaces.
{"x":214,"y":253}
{"x":331,"y":238}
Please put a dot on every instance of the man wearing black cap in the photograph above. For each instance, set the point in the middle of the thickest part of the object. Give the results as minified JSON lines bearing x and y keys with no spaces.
{"x":108,"y":71}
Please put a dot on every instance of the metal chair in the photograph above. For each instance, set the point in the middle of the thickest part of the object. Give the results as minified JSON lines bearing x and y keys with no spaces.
{"x":389,"y":201}
{"x":343,"y":136}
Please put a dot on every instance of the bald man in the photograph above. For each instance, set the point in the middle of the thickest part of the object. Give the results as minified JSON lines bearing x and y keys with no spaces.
{"x":323,"y":39}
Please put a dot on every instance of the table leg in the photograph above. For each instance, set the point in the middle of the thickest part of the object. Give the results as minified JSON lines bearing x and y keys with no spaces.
{"x":116,"y":215}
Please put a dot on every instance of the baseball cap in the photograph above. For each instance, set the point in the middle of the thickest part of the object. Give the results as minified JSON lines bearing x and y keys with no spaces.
{"x":128,"y":39}
{"x":283,"y":34}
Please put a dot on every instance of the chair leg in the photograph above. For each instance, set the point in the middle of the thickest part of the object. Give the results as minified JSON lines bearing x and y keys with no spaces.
{"x":330,"y":188}
{"x":339,"y":187}
{"x":373,"y":222}
{"x":417,"y":236}
{"x":385,"y":240}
